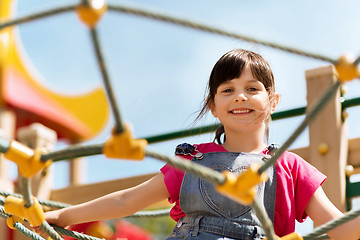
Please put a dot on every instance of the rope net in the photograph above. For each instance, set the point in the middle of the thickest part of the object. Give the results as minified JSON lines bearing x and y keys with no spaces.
{"x":347,"y":70}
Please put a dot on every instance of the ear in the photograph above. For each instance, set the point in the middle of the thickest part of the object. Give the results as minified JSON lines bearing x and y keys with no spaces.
{"x":211,"y":106}
{"x":275,"y":102}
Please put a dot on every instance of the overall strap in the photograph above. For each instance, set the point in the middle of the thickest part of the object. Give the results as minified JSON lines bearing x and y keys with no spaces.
{"x":273,"y":147}
{"x":188,"y":149}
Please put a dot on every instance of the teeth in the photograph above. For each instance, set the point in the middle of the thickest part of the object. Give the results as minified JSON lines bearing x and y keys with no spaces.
{"x":240,"y":111}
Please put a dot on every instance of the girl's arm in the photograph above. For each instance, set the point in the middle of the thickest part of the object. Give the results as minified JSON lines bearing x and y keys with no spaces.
{"x":321,"y":210}
{"x":115,"y":205}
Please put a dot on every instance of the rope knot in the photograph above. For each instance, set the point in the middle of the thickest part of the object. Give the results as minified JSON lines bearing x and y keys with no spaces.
{"x":92,"y":12}
{"x":346,"y":69}
{"x":16,"y":206}
{"x":28,"y":160}
{"x":241,"y":188}
{"x":123,"y":145}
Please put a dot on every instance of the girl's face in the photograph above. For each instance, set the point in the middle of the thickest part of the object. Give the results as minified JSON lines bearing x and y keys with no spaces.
{"x":242,"y":103}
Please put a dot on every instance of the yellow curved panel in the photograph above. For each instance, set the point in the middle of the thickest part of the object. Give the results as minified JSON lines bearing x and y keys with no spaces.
{"x":75,"y":117}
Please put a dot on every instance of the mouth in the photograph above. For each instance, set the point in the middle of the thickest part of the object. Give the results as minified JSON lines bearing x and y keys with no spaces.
{"x":242,"y":111}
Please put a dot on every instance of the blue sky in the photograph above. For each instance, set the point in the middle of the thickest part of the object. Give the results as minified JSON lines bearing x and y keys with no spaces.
{"x":159,"y":71}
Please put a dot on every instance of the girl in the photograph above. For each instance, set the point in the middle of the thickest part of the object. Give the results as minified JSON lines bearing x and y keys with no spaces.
{"x":241,"y":94}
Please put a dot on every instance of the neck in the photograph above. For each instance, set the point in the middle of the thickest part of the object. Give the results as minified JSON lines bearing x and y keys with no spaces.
{"x":249,"y":142}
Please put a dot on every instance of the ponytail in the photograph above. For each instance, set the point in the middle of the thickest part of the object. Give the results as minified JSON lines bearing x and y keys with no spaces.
{"x":219,"y":131}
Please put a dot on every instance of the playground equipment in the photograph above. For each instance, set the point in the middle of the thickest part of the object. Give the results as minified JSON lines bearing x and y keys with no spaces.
{"x":328,"y":142}
{"x":75,"y":118}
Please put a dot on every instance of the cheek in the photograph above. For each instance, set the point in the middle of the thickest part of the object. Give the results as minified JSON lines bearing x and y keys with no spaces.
{"x":263,"y":102}
{"x":219,"y":102}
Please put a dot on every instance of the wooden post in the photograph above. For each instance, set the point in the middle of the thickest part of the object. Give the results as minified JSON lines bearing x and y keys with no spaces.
{"x":38,"y":136}
{"x":7,"y":130}
{"x":77,"y":171}
{"x":328,"y":136}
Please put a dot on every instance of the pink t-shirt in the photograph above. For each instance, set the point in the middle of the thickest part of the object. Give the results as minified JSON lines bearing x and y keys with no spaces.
{"x":297,"y":181}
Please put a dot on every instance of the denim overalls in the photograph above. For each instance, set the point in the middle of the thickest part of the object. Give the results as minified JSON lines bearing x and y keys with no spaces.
{"x":209,"y":214}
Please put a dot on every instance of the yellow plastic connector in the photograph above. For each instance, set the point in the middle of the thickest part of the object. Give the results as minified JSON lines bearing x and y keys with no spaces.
{"x":291,"y":236}
{"x":346,"y":69}
{"x":27,"y":159}
{"x":16,"y":206}
{"x":123,"y":145}
{"x":90,"y":14}
{"x":276,"y":237}
{"x":10,"y":221}
{"x":242,"y":188}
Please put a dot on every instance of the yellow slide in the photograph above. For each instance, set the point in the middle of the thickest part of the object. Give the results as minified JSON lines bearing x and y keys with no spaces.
{"x":75,"y":118}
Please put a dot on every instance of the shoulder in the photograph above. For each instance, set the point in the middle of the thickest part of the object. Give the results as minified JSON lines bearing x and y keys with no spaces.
{"x":291,"y":163}
{"x":290,"y":159}
{"x":209,"y":147}
{"x":187,"y":150}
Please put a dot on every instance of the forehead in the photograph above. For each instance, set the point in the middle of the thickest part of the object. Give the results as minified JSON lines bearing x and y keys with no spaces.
{"x":246,"y":76}
{"x":241,"y":81}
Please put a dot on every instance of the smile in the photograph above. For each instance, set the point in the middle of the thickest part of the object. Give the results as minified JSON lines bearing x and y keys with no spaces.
{"x":241,"y":111}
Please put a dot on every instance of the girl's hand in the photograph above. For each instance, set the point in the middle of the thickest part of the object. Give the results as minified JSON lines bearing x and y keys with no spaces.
{"x":54,"y":217}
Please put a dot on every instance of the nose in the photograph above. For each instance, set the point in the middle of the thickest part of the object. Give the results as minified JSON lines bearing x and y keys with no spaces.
{"x":240,"y":97}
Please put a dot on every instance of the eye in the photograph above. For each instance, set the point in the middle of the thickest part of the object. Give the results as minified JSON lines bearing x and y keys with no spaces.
{"x":227,"y":90}
{"x":252,"y":89}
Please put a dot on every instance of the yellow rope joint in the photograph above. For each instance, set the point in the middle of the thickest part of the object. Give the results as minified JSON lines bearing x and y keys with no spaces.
{"x":346,"y":69}
{"x":16,"y":206}
{"x":291,"y":236}
{"x":91,"y":13}
{"x":123,"y":145}
{"x":11,"y":220}
{"x":242,"y":188}
{"x":28,"y":160}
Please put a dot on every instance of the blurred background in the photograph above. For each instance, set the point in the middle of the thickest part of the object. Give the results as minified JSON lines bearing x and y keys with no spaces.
{"x":159,"y":70}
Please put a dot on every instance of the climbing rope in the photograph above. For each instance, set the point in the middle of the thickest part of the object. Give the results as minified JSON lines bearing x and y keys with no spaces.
{"x":357,"y":61}
{"x":59,"y":205}
{"x":74,"y":234}
{"x":73,"y":152}
{"x":218,"y":178}
{"x":198,"y":26}
{"x":264,"y":219}
{"x":2,"y":210}
{"x":27,"y":232}
{"x":313,"y":111}
{"x":321,"y":237}
{"x":332,"y":224}
{"x":169,"y":19}
{"x":37,"y":16}
{"x":21,"y":228}
{"x":90,"y":150}
{"x":201,"y":171}
{"x":108,"y":88}
{"x":4,"y":145}
{"x":188,"y":166}
{"x":26,"y":191}
{"x":45,"y":226}
{"x":27,"y":196}
{"x":47,"y":203}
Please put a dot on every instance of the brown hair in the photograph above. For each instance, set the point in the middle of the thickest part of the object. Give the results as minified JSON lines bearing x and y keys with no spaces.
{"x":230,"y":66}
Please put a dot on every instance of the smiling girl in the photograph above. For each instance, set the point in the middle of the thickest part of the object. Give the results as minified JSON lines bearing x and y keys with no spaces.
{"x":241,"y":94}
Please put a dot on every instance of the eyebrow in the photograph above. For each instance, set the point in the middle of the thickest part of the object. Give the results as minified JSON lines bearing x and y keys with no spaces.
{"x":249,"y":81}
{"x":253,"y":80}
